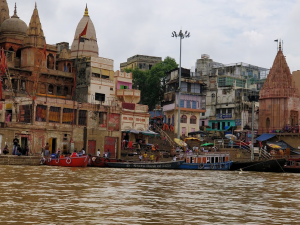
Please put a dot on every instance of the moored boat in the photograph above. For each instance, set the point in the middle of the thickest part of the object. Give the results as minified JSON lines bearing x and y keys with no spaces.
{"x":97,"y":161}
{"x":207,"y":161}
{"x":146,"y":165}
{"x":292,"y":165}
{"x":80,"y":161}
{"x":271,"y":165}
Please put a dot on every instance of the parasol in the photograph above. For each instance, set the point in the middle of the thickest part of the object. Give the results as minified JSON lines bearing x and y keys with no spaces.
{"x":180,"y":142}
{"x":274,"y":146}
{"x":231,"y":136}
{"x":191,"y":139}
{"x":207,"y":144}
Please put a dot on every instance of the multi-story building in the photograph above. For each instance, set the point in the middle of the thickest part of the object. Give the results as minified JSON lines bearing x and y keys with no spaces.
{"x":66,"y":97}
{"x":228,"y":90}
{"x":143,"y":62}
{"x":192,"y":102}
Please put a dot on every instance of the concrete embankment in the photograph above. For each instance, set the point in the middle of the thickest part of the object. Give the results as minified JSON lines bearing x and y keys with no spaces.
{"x":20,"y":160}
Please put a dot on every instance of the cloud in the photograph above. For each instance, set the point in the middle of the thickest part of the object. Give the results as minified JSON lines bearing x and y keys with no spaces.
{"x":229,"y":31}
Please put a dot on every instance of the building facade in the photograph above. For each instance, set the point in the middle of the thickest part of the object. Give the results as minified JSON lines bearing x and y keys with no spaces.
{"x":142,"y":62}
{"x":192,"y":102}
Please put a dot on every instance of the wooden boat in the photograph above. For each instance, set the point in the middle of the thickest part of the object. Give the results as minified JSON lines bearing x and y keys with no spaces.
{"x":206,"y":161}
{"x":80,"y":161}
{"x":146,"y":165}
{"x":292,"y":165}
{"x":97,"y":161}
{"x":271,"y":165}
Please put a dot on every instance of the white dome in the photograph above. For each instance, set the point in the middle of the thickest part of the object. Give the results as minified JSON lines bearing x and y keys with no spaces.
{"x":88,"y":47}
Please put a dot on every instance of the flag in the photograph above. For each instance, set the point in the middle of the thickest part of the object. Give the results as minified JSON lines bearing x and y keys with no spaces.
{"x":45,"y":54}
{"x":84,"y":30}
{"x":276,"y":40}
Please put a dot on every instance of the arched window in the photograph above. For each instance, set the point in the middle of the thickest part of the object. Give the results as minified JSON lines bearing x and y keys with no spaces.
{"x":193,"y":120}
{"x":18,"y":54}
{"x":183,"y":119}
{"x":69,"y":68}
{"x":58,"y":90}
{"x":213,"y":95}
{"x":50,"y":61}
{"x":50,"y":89}
{"x":268,"y":123}
{"x":66,"y":91}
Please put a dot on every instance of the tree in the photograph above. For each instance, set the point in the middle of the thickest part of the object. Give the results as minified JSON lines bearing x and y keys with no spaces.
{"x":152,"y":83}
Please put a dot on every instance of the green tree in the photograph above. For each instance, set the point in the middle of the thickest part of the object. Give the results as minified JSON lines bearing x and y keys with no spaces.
{"x":152,"y":83}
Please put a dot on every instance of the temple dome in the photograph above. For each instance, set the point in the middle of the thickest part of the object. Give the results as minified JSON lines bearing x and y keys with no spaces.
{"x":14,"y":25}
{"x":89,"y":47}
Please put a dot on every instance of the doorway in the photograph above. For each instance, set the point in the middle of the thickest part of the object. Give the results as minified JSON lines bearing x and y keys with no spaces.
{"x":92,"y":147}
{"x":24,"y":142}
{"x":52,"y":145}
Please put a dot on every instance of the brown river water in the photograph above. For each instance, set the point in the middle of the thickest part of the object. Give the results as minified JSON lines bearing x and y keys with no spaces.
{"x":56,"y":195}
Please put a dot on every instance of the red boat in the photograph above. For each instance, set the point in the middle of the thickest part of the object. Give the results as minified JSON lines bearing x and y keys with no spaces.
{"x":101,"y":161}
{"x":80,"y":161}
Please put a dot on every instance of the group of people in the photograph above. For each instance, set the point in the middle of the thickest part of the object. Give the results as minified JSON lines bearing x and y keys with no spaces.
{"x":16,"y":149}
{"x":144,"y":157}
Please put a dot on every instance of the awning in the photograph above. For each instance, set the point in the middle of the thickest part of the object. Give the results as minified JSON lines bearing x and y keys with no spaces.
{"x":131,"y":131}
{"x":265,"y":137}
{"x":150,"y":133}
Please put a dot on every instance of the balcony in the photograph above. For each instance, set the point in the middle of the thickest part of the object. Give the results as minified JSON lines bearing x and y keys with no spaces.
{"x":129,"y":95}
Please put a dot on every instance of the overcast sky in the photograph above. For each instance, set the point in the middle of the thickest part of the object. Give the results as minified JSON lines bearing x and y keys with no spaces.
{"x":230,"y":31}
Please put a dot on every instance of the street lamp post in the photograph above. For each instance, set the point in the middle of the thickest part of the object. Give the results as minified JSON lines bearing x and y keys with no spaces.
{"x":181,"y":36}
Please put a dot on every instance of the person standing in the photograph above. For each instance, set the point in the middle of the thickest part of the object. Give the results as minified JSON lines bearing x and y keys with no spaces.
{"x":151,"y":157}
{"x":108,"y":154}
{"x":27,"y":150}
{"x":140,"y":157}
{"x":47,"y":152}
{"x":15,"y":145}
{"x":145,"y":156}
{"x":98,"y":152}
{"x":83,"y":151}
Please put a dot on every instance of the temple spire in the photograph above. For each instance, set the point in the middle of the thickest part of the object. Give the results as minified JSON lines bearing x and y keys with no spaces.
{"x":4,"y":11}
{"x":86,"y":12}
{"x":15,"y":12}
{"x":280,"y":45}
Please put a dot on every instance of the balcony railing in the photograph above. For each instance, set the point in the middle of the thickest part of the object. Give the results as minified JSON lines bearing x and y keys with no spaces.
{"x":129,"y":92}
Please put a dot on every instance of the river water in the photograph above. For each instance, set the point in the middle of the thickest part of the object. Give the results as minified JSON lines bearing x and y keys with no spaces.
{"x":57,"y":195}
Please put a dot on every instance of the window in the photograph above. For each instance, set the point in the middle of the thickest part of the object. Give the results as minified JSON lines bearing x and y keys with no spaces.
{"x":41,"y":111}
{"x":203,"y":114}
{"x":203,"y":123}
{"x":194,"y":104}
{"x":66,"y":91}
{"x":111,"y":89}
{"x":50,"y":89}
{"x":58,"y":90}
{"x":82,"y":118}
{"x":212,"y":125}
{"x":193,"y":120}
{"x":224,"y":111}
{"x":183,"y":119}
{"x":223,"y":125}
{"x":229,"y":111}
{"x":23,"y":85}
{"x":218,"y":111}
{"x":213,"y":95}
{"x":181,"y":103}
{"x":228,"y":123}
{"x":54,"y":114}
{"x":219,"y":125}
{"x":69,"y":116}
{"x":100,"y":97}
{"x":188,"y":104}
{"x":150,"y":66}
{"x":25,"y":113}
{"x":124,"y":87}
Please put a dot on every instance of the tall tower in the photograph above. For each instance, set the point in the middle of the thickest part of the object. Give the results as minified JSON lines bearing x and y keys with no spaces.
{"x":4,"y":11}
{"x":88,"y":46}
{"x":279,"y":103}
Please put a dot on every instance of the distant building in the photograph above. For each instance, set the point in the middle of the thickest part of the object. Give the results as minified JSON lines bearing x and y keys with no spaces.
{"x":192,"y":101}
{"x":227,"y":92}
{"x":143,"y":62}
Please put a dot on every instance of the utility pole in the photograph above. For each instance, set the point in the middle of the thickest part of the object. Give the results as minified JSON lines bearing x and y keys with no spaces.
{"x":181,"y":36}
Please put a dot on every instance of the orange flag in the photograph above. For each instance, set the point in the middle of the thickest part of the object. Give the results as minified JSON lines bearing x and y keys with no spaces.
{"x":84,"y":30}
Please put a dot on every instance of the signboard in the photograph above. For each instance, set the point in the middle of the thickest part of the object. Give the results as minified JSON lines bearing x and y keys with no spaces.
{"x":224,"y":116}
{"x":238,"y":122}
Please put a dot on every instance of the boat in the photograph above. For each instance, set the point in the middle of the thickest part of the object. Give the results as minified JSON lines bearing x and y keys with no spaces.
{"x":80,"y":161}
{"x":270,"y":165}
{"x":292,"y":165}
{"x":146,"y":165}
{"x":96,"y":161}
{"x":206,"y":161}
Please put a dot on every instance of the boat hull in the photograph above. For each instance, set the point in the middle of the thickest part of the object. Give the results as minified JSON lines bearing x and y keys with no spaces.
{"x":101,"y":161}
{"x":291,"y":169}
{"x":81,"y":161}
{"x":206,"y":166}
{"x":146,"y":165}
{"x":272,"y":165}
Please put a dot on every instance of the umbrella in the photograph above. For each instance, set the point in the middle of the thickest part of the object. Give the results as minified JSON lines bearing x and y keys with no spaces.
{"x":231,"y":136}
{"x":207,"y":144}
{"x":191,"y":139}
{"x":150,"y":133}
{"x":180,"y":142}
{"x":274,"y":146}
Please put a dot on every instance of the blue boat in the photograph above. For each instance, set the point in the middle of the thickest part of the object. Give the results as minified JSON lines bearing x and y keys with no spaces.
{"x":206,"y":161}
